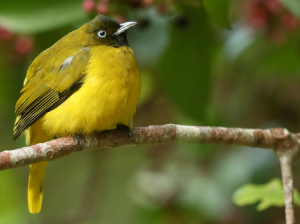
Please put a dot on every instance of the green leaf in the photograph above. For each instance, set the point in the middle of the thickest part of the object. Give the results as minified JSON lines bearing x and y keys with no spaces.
{"x":186,"y":64}
{"x":148,"y":86}
{"x":218,"y":10}
{"x":36,"y":15}
{"x":269,"y":194}
{"x":281,"y":59}
{"x":293,"y":6}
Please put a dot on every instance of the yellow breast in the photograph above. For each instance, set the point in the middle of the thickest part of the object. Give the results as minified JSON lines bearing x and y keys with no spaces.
{"x":107,"y":98}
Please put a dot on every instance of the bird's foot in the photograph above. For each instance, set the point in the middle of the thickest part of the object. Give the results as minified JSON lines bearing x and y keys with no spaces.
{"x":126,"y":129}
{"x":78,"y":138}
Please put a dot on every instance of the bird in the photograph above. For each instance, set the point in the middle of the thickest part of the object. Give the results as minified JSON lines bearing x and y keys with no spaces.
{"x":87,"y":82}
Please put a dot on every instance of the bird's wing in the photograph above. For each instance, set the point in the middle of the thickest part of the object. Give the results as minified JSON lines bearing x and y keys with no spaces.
{"x":49,"y":85}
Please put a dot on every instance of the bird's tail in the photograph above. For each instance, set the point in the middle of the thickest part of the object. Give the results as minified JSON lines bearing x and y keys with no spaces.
{"x":35,"y":186}
{"x":36,"y":134}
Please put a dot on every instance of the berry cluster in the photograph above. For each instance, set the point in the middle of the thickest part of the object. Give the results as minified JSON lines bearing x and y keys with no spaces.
{"x":21,"y":45}
{"x":90,"y":6}
{"x":271,"y":16}
{"x":118,"y":7}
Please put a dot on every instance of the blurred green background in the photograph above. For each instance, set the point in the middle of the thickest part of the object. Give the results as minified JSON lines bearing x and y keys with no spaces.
{"x":197,"y":69}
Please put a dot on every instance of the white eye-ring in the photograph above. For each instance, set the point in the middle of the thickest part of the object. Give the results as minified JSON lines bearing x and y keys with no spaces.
{"x":101,"y":34}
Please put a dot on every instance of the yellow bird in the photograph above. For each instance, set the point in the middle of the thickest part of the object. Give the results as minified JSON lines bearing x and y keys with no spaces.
{"x":87,"y":81}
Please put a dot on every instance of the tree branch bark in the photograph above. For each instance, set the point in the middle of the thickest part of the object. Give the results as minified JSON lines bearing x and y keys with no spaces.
{"x":285,"y":144}
{"x":152,"y":135}
{"x":286,"y":149}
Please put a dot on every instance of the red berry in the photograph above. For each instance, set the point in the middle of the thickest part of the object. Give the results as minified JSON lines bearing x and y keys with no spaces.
{"x":5,"y":34}
{"x":289,"y":21}
{"x":258,"y":18}
{"x":88,"y":5}
{"x":273,"y":5}
{"x":102,"y":8}
{"x":23,"y":45}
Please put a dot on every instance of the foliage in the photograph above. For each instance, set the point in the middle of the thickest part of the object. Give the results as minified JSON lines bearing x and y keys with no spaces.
{"x":269,"y":194}
{"x":219,"y":11}
{"x":37,"y":16}
{"x":293,"y":6}
{"x":195,"y":71}
{"x":191,"y":48}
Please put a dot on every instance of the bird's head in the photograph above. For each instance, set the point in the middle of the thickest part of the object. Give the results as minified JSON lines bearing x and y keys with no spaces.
{"x":109,"y":32}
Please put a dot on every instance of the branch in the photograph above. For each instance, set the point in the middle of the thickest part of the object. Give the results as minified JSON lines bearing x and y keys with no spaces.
{"x":152,"y":135}
{"x":286,"y":150}
{"x":285,"y":144}
{"x":287,"y":181}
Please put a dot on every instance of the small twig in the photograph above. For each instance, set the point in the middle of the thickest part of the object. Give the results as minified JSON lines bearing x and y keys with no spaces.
{"x":286,"y":150}
{"x":287,"y":181}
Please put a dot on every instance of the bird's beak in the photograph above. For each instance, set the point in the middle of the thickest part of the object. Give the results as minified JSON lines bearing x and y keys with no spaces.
{"x":124,"y":27}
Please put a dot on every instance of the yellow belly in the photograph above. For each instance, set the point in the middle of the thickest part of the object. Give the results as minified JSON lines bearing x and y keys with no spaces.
{"x":107,"y":98}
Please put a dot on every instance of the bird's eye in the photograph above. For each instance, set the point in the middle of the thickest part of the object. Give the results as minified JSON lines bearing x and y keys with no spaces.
{"x":101,"y":34}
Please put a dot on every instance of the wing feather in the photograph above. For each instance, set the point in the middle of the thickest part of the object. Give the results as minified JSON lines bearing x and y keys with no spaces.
{"x":48,"y":87}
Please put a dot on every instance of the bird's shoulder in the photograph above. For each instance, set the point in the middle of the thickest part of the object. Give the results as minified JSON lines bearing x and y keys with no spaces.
{"x":58,"y":69}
